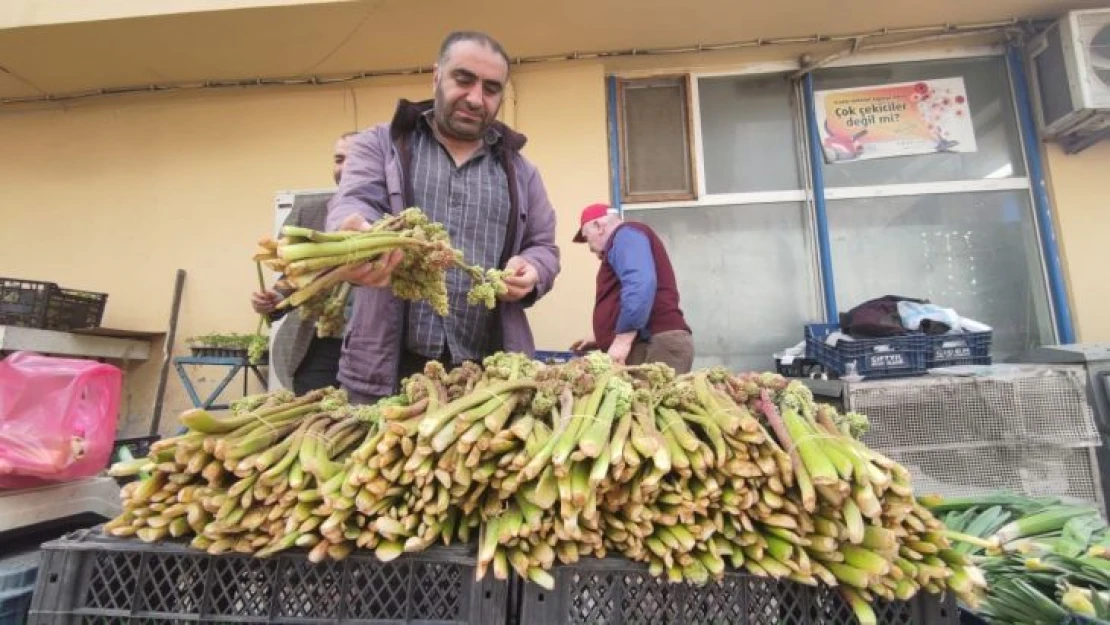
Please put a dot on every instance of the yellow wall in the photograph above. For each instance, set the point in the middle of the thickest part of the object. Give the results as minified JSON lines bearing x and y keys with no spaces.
{"x":1082,"y":204}
{"x":23,"y":13}
{"x":115,"y":195}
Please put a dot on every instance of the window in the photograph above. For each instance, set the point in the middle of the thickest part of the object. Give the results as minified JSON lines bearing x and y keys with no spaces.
{"x":966,"y":238}
{"x":974,"y":252}
{"x":998,"y":154}
{"x":744,"y":277}
{"x":743,"y":260}
{"x":654,"y":132}
{"x":748,"y":134}
{"x":729,"y":190}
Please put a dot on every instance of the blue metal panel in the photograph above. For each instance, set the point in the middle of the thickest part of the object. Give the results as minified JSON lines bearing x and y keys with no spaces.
{"x":1051,"y":251}
{"x":614,"y":146}
{"x":816,"y":160}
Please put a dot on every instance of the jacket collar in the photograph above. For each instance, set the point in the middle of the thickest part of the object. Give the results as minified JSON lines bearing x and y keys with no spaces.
{"x":408,"y":114}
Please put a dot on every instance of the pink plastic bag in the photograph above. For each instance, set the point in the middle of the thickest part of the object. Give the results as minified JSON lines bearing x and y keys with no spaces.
{"x":57,"y":418}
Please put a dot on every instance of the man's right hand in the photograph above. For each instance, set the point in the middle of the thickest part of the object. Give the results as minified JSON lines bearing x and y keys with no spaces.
{"x":583,"y":345}
{"x":264,"y":302}
{"x":377,"y":273}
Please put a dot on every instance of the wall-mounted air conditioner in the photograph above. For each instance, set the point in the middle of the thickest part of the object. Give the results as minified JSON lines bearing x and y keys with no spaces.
{"x":1071,"y":77}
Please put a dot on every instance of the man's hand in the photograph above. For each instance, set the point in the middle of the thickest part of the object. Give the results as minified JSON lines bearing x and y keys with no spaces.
{"x":377,"y":273}
{"x":583,"y":345}
{"x":264,"y":302}
{"x":621,"y":347}
{"x":521,"y":280}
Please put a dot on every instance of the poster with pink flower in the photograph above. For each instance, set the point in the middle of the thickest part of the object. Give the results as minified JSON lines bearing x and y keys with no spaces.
{"x":903,"y":119}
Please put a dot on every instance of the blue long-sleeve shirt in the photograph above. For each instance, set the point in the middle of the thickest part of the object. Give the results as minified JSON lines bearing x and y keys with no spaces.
{"x":632,"y":260}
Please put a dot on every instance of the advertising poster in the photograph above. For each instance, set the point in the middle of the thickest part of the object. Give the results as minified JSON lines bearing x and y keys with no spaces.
{"x":904,"y":119}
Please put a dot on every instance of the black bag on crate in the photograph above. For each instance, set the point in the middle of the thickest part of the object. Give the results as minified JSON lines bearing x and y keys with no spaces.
{"x":876,"y":318}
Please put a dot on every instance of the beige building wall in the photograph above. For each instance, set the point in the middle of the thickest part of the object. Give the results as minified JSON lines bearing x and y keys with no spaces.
{"x":116,"y":194}
{"x":1081,"y":200}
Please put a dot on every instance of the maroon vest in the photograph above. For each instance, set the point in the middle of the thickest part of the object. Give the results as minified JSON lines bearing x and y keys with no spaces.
{"x":665,"y":313}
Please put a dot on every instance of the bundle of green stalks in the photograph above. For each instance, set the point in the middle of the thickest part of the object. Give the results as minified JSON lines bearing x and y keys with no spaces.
{"x":1045,"y":560}
{"x":310,"y":261}
{"x":694,"y":475}
{"x":329,"y":311}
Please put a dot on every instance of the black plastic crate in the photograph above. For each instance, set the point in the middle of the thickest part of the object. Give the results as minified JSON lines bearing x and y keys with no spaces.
{"x":950,"y":350}
{"x":23,"y":303}
{"x":201,"y":351}
{"x":890,"y":357}
{"x":799,"y":368}
{"x":227,"y":352}
{"x":88,"y":578}
{"x":139,"y":446}
{"x":70,"y":309}
{"x":616,"y":591}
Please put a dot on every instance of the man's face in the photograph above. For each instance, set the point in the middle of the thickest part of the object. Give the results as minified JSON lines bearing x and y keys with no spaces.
{"x":340,"y":157}
{"x":594,"y":233}
{"x":469,"y":84}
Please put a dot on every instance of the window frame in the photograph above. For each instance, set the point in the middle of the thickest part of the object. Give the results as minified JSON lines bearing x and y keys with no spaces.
{"x":696,"y":147}
{"x":808,"y":193}
{"x":682,"y":79}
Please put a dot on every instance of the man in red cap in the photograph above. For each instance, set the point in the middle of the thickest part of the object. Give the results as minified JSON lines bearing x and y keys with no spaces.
{"x":637,"y":317}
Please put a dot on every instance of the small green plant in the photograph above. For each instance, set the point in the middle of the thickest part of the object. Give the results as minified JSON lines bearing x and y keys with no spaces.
{"x":255,"y":345}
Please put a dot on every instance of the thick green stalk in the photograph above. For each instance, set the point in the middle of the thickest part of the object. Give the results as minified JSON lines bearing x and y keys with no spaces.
{"x":728,"y":420}
{"x":434,"y":421}
{"x":596,"y":434}
{"x":671,"y":423}
{"x":259,"y":441}
{"x":297,"y":232}
{"x":861,"y":608}
{"x":319,"y":285}
{"x":820,"y":469}
{"x":342,"y":249}
{"x":585,"y":411}
{"x":620,"y":436}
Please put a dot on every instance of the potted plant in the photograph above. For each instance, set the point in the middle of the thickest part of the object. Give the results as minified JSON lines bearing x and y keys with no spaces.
{"x":253,"y":347}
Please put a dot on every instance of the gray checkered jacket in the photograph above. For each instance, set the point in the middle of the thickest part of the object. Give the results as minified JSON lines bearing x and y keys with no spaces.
{"x":295,"y":334}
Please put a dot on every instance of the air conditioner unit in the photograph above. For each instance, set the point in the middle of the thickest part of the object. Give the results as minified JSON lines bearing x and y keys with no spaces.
{"x":1071,"y":76}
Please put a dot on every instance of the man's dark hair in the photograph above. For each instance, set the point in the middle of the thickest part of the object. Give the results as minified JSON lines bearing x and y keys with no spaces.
{"x":471,"y":35}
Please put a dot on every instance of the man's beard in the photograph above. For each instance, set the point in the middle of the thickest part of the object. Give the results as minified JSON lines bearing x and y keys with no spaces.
{"x":447,"y":126}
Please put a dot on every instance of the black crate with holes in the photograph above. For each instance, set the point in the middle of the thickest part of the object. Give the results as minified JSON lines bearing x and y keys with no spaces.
{"x":71,"y":309}
{"x":615,"y":591}
{"x":45,"y":305}
{"x":23,"y":302}
{"x":87,"y":578}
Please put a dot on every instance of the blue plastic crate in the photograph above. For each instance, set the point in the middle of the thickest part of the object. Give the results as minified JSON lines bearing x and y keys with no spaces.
{"x":891,"y":357}
{"x":553,"y":358}
{"x":950,"y":350}
{"x":18,"y":573}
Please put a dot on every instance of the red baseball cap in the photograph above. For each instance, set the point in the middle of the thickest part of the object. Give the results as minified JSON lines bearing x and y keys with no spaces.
{"x":590,"y":213}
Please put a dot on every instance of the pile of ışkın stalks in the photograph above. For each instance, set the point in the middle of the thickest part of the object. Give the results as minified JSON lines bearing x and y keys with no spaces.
{"x":536,"y":464}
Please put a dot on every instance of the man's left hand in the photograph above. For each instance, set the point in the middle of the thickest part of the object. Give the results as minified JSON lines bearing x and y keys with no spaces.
{"x":521,"y":280}
{"x":621,"y":347}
